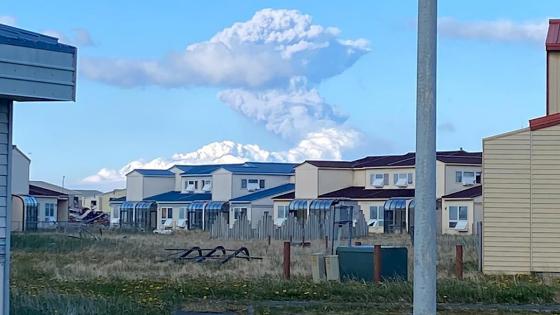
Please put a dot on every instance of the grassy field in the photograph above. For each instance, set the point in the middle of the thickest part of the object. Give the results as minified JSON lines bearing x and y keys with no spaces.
{"x":130,"y":274}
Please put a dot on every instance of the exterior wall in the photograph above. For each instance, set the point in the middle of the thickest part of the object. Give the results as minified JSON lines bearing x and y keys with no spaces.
{"x":157,"y":185}
{"x":20,"y":173}
{"x":257,"y":213}
{"x":17,"y":214}
{"x":334,"y":179}
{"x":41,"y":211}
{"x":134,"y":187}
{"x":117,"y":193}
{"x":221,"y":185}
{"x":440,"y":179}
{"x":507,"y":202}
{"x":307,"y":182}
{"x":451,"y":185}
{"x":391,"y":172}
{"x":365,"y":207}
{"x":545,"y":201}
{"x":276,"y":204}
{"x":270,"y":182}
{"x":553,"y":82}
{"x":62,"y":211}
{"x":177,"y":173}
{"x":359,"y":178}
{"x":175,"y":207}
{"x":185,"y":179}
{"x":31,"y":73}
{"x":446,"y":203}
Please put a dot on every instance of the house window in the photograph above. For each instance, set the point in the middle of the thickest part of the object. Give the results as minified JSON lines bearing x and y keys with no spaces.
{"x":410,"y":178}
{"x":244,"y":183}
{"x":252,"y":184}
{"x":115,"y":214}
{"x":166,"y":213}
{"x":282,"y":212}
{"x":239,"y":213}
{"x":261,"y":184}
{"x":467,"y":178}
{"x":458,"y":217}
{"x":376,"y":216}
{"x":401,"y":179}
{"x":379,"y":180}
{"x":182,"y":213}
{"x":207,"y":185}
{"x":49,"y":212}
{"x":191,"y":185}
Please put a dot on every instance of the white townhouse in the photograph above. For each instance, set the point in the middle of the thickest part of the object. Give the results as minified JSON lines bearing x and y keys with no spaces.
{"x":382,"y":187}
{"x":193,"y":196}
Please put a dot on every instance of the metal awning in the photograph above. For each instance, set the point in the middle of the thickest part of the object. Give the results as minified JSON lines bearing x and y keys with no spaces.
{"x":127,"y":206}
{"x":217,"y":206}
{"x":396,"y":204}
{"x":298,"y":205}
{"x":321,"y":204}
{"x":146,"y":205}
{"x":29,"y":201}
{"x":196,"y":206}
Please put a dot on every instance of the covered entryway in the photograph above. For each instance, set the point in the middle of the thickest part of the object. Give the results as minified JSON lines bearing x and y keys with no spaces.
{"x":25,"y":213}
{"x":195,"y":213}
{"x":126,"y":213}
{"x":215,"y":209}
{"x":398,"y":215}
{"x":145,"y":215}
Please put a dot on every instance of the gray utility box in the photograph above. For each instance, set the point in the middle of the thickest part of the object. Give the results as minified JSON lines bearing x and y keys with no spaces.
{"x":357,"y":263}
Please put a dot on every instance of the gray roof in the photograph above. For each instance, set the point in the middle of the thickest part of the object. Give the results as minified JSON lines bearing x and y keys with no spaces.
{"x":18,"y":37}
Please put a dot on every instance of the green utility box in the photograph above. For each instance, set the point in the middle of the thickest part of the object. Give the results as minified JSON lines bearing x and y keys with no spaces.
{"x":356,"y":263}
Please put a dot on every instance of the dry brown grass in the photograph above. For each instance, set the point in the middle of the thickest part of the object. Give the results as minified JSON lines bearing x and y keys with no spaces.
{"x":142,"y":256}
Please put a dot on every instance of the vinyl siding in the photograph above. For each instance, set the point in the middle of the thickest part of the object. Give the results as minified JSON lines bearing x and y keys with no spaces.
{"x":507,"y":199}
{"x":307,"y":181}
{"x":545,"y":201}
{"x":553,"y":82}
{"x":334,"y":179}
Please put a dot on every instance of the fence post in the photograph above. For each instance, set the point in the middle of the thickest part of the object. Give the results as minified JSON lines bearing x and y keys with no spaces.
{"x":287,"y":260}
{"x":459,"y":261}
{"x":377,"y":263}
{"x":269,"y":240}
{"x":326,"y":243}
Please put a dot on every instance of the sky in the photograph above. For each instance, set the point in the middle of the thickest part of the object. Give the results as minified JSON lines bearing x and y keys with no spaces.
{"x":196,"y":82}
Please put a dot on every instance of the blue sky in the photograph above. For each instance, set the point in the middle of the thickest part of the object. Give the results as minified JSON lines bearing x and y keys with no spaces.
{"x":143,"y":102}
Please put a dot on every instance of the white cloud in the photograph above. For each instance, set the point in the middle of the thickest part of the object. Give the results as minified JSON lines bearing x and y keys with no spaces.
{"x":287,"y":112}
{"x":79,"y":37}
{"x":8,"y":20}
{"x":266,"y":51}
{"x":322,"y":144}
{"x":497,"y":30}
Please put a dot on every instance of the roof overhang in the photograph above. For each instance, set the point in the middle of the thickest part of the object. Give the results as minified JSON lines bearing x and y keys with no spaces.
{"x":553,"y":35}
{"x":544,"y":122}
{"x":36,"y":67}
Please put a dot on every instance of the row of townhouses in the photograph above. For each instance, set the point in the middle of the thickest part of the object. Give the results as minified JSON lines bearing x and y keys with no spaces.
{"x":39,"y":204}
{"x":381,"y":187}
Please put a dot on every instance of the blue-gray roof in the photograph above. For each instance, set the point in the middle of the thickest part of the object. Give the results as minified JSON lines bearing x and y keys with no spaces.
{"x":262,"y":168}
{"x":265,"y":193}
{"x":17,"y":37}
{"x":200,"y":169}
{"x":177,"y":196}
{"x":149,"y":172}
{"x":244,"y":168}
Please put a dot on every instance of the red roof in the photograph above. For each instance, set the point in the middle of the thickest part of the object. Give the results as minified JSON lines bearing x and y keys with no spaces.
{"x":360,"y":192}
{"x":553,"y":36}
{"x":544,"y":122}
{"x":468,"y":193}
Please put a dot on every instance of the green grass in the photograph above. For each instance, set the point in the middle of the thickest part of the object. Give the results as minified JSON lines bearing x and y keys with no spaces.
{"x":45,"y":280}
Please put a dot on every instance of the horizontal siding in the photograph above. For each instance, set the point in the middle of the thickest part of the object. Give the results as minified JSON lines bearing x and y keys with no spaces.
{"x":507,"y":201}
{"x":545,"y":199}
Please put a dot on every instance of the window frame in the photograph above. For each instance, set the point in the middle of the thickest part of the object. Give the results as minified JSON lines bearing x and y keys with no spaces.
{"x":456,"y":210}
{"x":282,"y":209}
